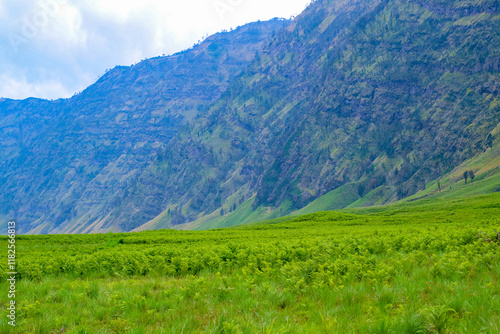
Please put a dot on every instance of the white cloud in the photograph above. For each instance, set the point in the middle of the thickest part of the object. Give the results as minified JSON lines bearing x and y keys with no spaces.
{"x":63,"y":46}
{"x":20,"y":88}
{"x":67,"y":28}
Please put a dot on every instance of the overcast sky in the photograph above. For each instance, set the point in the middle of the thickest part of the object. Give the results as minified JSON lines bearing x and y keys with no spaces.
{"x":55,"y":48}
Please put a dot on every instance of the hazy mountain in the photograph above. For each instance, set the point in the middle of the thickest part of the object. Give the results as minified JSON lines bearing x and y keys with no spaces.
{"x":67,"y":163}
{"x":355,"y":97}
{"x":357,"y":101}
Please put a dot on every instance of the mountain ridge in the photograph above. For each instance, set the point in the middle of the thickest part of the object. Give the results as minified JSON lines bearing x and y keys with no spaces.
{"x":68,"y":161}
{"x":443,"y":77}
{"x":368,"y":101}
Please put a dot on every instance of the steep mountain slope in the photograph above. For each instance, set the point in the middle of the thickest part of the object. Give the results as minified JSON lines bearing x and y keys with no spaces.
{"x":353,"y":95}
{"x":485,"y":166}
{"x":65,"y":164}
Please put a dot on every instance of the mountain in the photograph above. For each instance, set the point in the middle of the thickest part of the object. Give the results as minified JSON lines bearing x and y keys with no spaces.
{"x":66,"y":164}
{"x":359,"y":101}
{"x":355,"y":103}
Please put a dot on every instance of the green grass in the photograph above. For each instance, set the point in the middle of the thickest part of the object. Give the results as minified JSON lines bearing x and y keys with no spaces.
{"x":334,"y":200}
{"x":244,"y":214}
{"x":429,"y":266}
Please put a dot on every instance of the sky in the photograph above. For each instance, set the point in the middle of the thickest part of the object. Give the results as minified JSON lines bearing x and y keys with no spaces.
{"x":55,"y":48}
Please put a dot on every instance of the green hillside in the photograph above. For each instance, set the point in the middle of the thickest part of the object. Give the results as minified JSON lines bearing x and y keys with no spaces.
{"x":355,"y":104}
{"x":352,"y":104}
{"x":485,"y":165}
{"x":337,"y":173}
{"x":65,"y":164}
{"x":345,"y":199}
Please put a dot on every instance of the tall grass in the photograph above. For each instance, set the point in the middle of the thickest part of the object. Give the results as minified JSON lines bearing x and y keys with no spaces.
{"x":414,"y":270}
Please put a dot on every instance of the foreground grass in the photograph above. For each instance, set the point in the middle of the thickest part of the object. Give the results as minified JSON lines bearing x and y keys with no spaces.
{"x":430,"y":268}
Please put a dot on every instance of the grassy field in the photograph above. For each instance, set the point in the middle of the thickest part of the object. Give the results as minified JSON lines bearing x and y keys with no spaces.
{"x":430,"y":266}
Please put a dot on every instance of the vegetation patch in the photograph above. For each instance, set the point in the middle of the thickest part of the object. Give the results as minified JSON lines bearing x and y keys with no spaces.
{"x":419,"y":267}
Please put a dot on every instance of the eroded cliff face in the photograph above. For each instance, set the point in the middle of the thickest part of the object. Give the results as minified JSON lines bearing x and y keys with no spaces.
{"x":378,"y":96}
{"x":373,"y":99}
{"x":65,"y":164}
{"x":463,"y":8}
